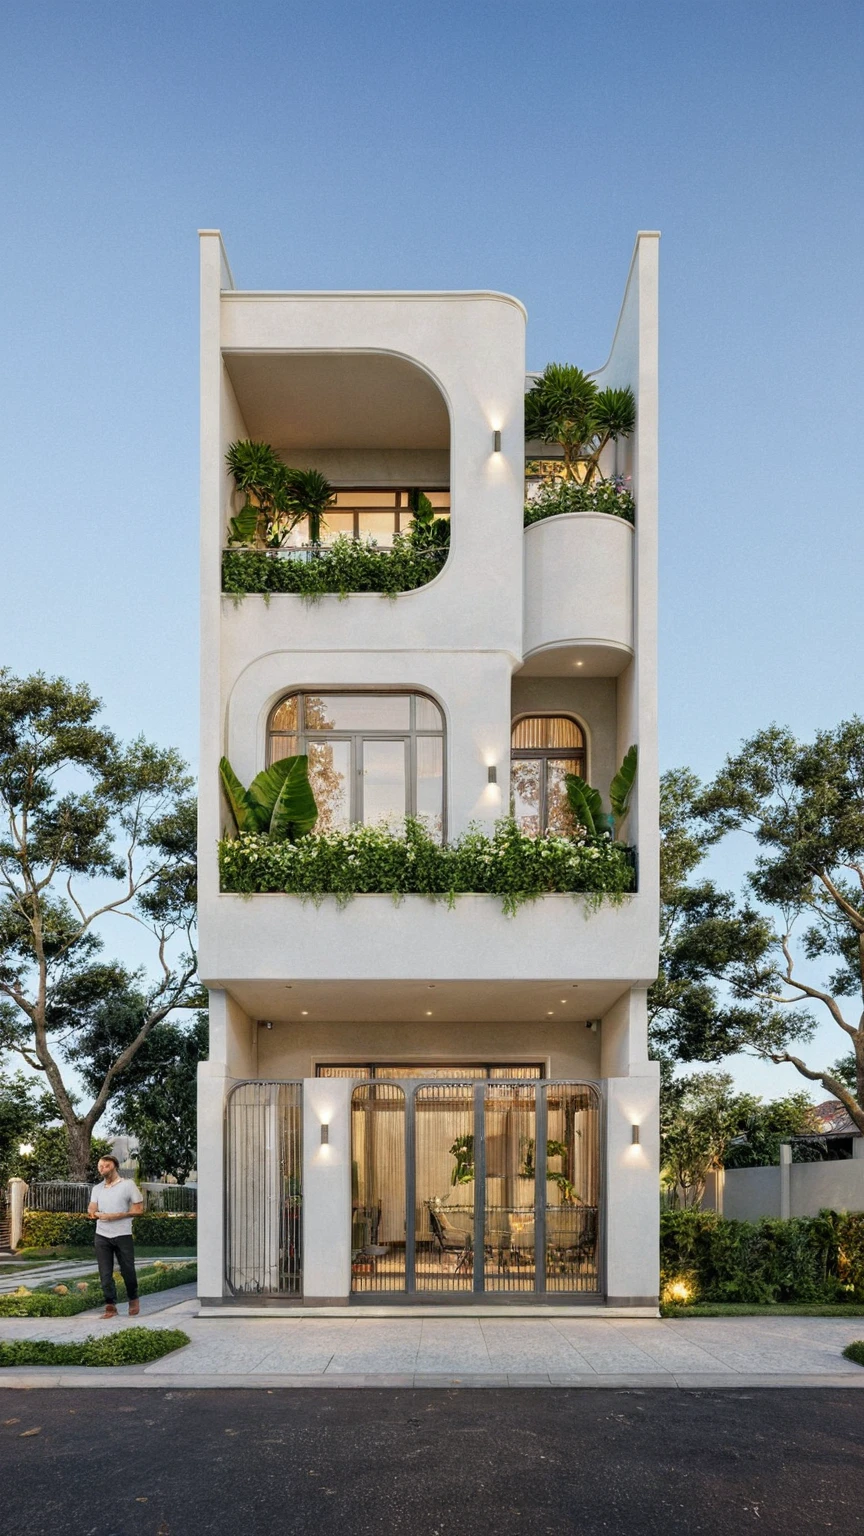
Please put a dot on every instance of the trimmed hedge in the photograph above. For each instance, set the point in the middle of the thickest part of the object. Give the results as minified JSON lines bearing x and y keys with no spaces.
{"x":855,"y":1351}
{"x":131,"y":1347}
{"x":805,"y":1259}
{"x":83,"y":1295}
{"x":53,"y":1229}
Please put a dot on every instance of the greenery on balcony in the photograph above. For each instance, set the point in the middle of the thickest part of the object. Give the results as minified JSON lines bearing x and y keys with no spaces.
{"x":555,"y":496}
{"x":365,"y":860}
{"x":565,"y":407}
{"x":276,"y":499}
{"x":342,"y":567}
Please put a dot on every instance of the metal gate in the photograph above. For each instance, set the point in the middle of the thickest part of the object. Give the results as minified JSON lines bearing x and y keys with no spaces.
{"x":460,"y":1186}
{"x":264,"y":1189}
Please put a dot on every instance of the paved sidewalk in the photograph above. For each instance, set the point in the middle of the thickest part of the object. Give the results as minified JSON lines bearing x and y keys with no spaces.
{"x":470,"y":1352}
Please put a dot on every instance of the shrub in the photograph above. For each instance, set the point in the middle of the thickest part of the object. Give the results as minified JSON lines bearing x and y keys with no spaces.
{"x":855,"y":1351}
{"x":343,"y":567}
{"x":806,"y":1259}
{"x":132,"y":1346}
{"x":52,"y":1229}
{"x":46,"y":1303}
{"x":556,"y":496}
{"x":367,"y":860}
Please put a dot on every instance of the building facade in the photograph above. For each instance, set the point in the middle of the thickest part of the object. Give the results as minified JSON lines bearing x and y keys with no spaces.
{"x":427,"y":1100}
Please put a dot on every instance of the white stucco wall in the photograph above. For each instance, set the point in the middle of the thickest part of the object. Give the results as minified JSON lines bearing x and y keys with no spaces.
{"x":579,"y":583}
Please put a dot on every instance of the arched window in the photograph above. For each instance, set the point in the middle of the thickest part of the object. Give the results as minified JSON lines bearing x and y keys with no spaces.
{"x":544,"y":748}
{"x":373,"y":756}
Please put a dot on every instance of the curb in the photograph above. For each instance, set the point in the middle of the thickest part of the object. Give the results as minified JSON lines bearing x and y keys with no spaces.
{"x":41,"y":1377}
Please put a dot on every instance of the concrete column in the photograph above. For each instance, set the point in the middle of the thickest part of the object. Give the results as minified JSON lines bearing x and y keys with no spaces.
{"x":632,"y":1204}
{"x":17,"y":1190}
{"x":858,"y":1148}
{"x":785,"y":1181}
{"x":214,"y":1085}
{"x":624,"y":1037}
{"x":327,"y":1190}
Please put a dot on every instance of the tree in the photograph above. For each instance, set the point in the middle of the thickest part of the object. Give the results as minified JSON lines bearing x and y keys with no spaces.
{"x":566,"y":407}
{"x":804,"y":806}
{"x":705,"y":1125}
{"x":22,"y":1114}
{"x":157,"y":1095}
{"x":699,"y":1116}
{"x":88,"y":828}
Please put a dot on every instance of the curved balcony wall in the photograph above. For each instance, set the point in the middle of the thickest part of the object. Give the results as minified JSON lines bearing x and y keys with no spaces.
{"x":578,"y":595}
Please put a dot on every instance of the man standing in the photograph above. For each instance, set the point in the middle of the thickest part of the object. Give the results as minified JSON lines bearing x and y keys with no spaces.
{"x":114,"y":1202}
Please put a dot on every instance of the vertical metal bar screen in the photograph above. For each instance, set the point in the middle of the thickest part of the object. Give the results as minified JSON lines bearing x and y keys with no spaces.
{"x":377,"y":1188}
{"x":572,"y":1238}
{"x":264,"y":1189}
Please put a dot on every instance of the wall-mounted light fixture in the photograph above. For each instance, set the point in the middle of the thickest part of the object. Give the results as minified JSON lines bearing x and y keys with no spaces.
{"x":496,"y":442}
{"x":492,"y":774}
{"x":635,"y":1135}
{"x":325,"y":1134}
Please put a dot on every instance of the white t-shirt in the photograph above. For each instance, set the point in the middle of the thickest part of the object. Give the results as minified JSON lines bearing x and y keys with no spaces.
{"x":115,"y":1197}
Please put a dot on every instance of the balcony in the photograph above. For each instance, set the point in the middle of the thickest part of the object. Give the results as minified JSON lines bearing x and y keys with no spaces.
{"x":578,"y":595}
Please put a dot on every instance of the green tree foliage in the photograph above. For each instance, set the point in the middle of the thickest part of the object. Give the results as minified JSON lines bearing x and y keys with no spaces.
{"x":24,"y":1110}
{"x":156,"y":1096}
{"x":705,"y":1124}
{"x":566,"y":407}
{"x":803,"y":803}
{"x":88,"y":828}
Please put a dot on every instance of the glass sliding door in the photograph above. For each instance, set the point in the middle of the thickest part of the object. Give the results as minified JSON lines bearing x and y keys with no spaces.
{"x":378,"y":1188}
{"x":474,"y":1184}
{"x":444,"y":1187}
{"x":510,"y":1114}
{"x":572,"y":1216}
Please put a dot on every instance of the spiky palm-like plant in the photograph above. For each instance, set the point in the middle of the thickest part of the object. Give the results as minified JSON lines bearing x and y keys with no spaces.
{"x":566,"y":407}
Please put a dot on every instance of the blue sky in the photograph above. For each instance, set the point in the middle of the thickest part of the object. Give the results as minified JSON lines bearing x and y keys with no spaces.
{"x":504,"y":145}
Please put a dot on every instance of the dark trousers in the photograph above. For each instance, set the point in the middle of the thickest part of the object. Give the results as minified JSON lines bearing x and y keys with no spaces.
{"x":123,"y":1250}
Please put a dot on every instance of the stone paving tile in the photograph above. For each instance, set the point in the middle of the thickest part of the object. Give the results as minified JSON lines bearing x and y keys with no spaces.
{"x":534,"y":1346}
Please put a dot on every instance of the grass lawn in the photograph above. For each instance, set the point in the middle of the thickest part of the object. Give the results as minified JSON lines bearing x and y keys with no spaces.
{"x":47,"y":1255}
{"x":773,"y":1309}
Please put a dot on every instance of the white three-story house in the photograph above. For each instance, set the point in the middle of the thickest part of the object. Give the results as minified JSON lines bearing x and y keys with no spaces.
{"x":424,"y":1097}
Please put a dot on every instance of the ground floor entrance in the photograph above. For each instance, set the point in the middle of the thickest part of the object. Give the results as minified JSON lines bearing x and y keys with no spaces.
{"x":459,"y":1186}
{"x":462,"y":1187}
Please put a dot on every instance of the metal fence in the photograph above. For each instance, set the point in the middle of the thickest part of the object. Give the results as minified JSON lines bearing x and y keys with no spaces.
{"x":264,"y":1146}
{"x":73,"y":1199}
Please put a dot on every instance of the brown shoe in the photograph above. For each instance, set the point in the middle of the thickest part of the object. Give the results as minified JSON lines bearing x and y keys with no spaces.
{"x":110,"y":1311}
{"x":134,"y":1308}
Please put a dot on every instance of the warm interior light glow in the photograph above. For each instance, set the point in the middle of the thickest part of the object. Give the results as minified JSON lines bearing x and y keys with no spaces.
{"x":305,"y":1012}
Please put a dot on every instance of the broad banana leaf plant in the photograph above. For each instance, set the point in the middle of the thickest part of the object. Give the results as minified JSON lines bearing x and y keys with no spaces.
{"x":278,"y":803}
{"x":586,"y":804}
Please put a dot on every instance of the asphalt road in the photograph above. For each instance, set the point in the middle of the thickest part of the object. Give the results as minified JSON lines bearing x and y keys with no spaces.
{"x":430,"y":1463}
